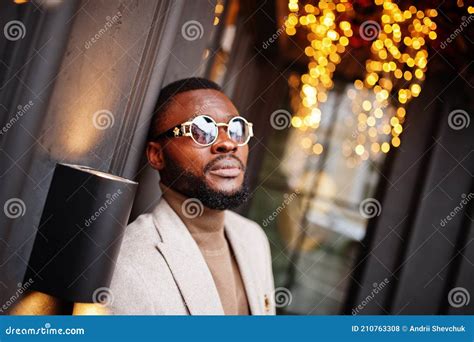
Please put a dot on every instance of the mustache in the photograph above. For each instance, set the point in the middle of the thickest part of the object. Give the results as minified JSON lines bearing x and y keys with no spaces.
{"x":224,"y":156}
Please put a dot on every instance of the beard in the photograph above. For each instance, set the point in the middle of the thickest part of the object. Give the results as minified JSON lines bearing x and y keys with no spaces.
{"x":193,"y":186}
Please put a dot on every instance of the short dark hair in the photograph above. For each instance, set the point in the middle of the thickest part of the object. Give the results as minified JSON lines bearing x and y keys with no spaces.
{"x":173,"y":89}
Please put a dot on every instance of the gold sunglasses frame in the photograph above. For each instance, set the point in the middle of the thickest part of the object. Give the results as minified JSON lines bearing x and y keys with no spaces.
{"x":184,"y":130}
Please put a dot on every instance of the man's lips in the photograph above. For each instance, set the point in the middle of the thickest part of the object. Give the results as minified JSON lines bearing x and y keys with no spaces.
{"x":227,"y":168}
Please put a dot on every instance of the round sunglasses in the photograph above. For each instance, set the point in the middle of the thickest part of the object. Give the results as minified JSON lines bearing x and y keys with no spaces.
{"x":204,"y":130}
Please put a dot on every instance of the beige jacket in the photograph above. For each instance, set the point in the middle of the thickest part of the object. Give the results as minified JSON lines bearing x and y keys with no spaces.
{"x":161,"y":271}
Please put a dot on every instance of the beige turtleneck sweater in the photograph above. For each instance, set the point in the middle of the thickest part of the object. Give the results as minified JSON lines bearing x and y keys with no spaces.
{"x":209,"y":234}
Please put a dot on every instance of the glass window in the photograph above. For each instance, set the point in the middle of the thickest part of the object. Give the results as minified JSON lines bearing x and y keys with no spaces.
{"x":309,"y":203}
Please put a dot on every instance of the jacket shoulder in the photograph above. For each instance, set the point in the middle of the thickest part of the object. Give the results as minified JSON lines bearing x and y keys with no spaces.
{"x":136,"y":245}
{"x":138,"y":234}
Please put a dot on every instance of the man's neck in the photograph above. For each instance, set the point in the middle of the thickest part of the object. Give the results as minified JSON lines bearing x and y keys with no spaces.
{"x":202,"y":222}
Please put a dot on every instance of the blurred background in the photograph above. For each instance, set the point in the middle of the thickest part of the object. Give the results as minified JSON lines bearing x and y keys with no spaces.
{"x":362,"y":166}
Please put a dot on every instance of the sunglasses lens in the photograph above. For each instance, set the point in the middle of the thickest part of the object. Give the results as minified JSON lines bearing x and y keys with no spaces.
{"x":238,"y":130}
{"x":204,"y":130}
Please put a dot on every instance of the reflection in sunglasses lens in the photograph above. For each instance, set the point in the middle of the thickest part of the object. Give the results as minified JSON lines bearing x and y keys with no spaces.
{"x":204,"y":130}
{"x":238,"y":130}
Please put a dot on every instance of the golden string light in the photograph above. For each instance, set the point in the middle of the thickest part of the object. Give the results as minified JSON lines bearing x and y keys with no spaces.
{"x":327,"y":40}
{"x":218,"y":12}
{"x":394,"y":76}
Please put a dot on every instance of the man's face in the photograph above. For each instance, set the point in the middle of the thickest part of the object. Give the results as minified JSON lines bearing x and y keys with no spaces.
{"x":184,"y":165}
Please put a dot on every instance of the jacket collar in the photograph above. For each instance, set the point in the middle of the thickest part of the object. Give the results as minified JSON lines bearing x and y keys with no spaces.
{"x":189,"y":268}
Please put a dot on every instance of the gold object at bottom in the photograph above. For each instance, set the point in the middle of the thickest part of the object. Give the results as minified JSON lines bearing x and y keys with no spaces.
{"x":91,"y":309}
{"x":39,"y":303}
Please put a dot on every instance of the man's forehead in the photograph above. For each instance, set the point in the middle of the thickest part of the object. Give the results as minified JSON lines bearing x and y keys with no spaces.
{"x":184,"y":106}
{"x":202,"y":99}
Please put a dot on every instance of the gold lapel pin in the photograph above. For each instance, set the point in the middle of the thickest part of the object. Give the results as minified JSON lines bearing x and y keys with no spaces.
{"x":267,"y":303}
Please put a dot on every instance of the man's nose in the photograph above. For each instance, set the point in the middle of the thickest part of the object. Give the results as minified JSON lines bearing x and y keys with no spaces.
{"x":223,"y":144}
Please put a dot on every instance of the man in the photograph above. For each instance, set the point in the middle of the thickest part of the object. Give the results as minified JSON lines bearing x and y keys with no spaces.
{"x":191,"y":255}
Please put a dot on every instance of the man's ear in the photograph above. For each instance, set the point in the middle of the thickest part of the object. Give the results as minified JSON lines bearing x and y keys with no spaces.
{"x":154,"y":153}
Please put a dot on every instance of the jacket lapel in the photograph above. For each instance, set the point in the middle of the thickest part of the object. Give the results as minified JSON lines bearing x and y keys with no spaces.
{"x":242,"y":257}
{"x":186,"y":263}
